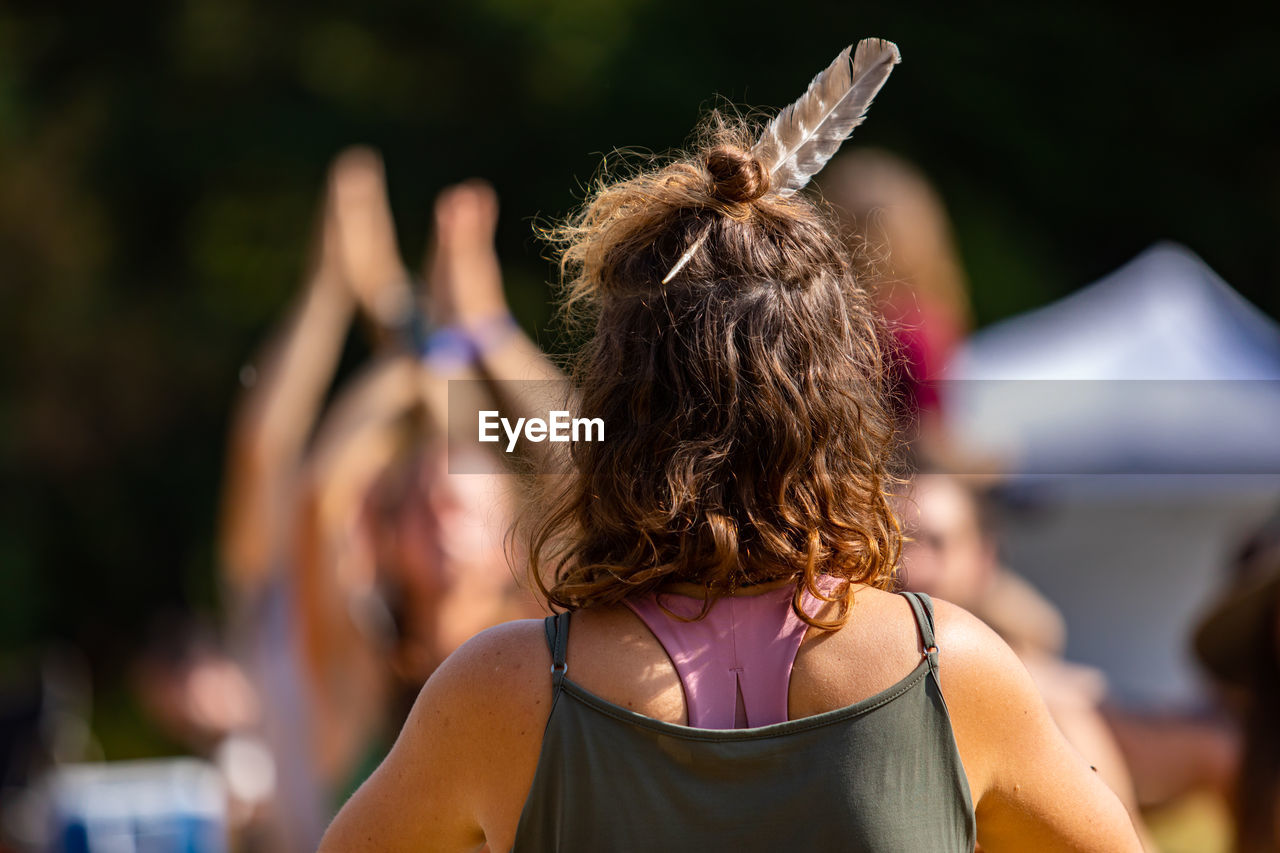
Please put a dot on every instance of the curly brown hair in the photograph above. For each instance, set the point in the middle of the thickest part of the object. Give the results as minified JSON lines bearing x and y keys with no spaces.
{"x":748,"y":435}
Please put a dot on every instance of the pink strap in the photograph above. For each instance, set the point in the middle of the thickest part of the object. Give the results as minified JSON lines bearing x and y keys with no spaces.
{"x":735,"y":663}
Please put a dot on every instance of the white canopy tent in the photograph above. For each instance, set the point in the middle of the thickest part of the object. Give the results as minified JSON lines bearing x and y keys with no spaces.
{"x":1140,"y":418}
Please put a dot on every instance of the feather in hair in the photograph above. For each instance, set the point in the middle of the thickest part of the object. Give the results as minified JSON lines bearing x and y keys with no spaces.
{"x":803,"y":137}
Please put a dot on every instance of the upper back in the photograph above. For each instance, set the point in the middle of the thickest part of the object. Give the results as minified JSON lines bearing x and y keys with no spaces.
{"x":488,"y":722}
{"x":614,"y":655}
{"x":878,"y":762}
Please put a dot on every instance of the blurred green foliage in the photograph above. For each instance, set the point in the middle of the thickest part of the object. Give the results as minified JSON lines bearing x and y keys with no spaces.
{"x":160,"y":163}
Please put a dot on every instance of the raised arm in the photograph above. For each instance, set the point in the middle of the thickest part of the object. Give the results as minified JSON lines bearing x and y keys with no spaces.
{"x":286,"y":385}
{"x":355,"y":258}
{"x":464,"y":281}
{"x":360,"y":436}
{"x":465,"y":285}
{"x":1031,"y":789}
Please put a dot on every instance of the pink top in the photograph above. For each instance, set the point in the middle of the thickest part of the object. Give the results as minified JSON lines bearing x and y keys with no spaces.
{"x":735,"y":663}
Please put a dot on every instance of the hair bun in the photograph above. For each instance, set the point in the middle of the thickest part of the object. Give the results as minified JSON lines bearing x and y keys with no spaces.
{"x":737,"y":176}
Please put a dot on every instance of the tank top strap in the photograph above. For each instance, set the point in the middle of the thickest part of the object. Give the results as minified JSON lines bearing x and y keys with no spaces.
{"x":556,"y":628}
{"x":922,"y":607}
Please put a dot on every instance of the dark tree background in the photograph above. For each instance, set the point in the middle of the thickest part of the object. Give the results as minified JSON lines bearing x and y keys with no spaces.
{"x":160,"y":164}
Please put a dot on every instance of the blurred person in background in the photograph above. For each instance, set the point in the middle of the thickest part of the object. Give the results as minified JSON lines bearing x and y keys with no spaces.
{"x":1238,"y":643}
{"x":951,"y":552}
{"x":189,"y":686}
{"x":354,"y":561}
{"x":897,"y":226}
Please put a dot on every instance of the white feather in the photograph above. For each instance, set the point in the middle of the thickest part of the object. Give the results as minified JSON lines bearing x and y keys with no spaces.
{"x":804,"y":136}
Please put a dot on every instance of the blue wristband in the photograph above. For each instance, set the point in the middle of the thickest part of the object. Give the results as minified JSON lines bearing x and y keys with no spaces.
{"x":449,"y":348}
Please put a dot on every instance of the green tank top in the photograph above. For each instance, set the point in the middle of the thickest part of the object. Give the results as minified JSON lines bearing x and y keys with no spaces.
{"x":877,"y":776}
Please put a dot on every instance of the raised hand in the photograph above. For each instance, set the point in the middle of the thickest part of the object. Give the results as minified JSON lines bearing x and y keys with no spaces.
{"x":464,"y":279}
{"x":363,"y":235}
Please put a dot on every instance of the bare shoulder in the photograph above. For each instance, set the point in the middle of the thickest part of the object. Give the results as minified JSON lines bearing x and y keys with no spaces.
{"x":969,"y":646}
{"x":877,"y":647}
{"x":981,"y":679}
{"x":487,"y":696}
{"x":884,"y":622}
{"x":977,"y":667}
{"x":503,"y":671}
{"x":1031,"y":789}
{"x":993,"y":702}
{"x":974,"y":664}
{"x":466,"y":756}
